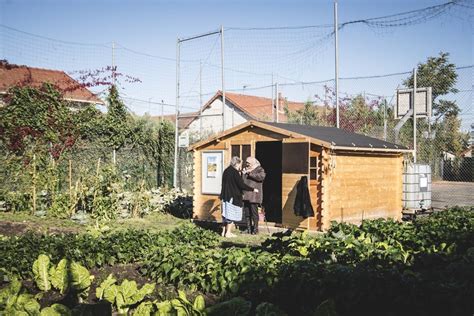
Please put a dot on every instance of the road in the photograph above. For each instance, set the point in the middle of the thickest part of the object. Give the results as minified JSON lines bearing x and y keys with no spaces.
{"x":450,"y":193}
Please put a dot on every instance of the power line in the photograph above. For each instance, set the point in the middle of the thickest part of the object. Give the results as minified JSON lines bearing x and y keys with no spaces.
{"x":56,"y":40}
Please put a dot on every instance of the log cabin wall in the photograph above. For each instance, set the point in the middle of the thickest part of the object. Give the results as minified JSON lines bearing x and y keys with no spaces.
{"x":362,"y":186}
{"x":207,"y":206}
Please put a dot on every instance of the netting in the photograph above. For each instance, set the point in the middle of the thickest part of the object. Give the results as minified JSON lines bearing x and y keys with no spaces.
{"x":296,"y":61}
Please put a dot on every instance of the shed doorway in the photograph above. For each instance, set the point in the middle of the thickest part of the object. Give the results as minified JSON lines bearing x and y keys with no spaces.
{"x":269,"y":154}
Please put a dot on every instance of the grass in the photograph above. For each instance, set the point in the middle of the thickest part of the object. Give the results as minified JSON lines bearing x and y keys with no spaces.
{"x":20,"y":222}
{"x":16,"y":223}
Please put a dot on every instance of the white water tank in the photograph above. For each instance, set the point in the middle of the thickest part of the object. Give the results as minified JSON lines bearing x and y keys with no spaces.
{"x":416,"y":186}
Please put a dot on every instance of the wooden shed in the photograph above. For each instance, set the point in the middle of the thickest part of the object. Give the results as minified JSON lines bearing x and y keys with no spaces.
{"x":351,"y":176}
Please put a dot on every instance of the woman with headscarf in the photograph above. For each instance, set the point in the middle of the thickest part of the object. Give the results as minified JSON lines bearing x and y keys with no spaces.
{"x":231,"y":195}
{"x":253,"y":175}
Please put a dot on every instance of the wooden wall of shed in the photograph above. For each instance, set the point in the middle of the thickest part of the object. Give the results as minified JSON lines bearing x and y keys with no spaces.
{"x":363,"y":186}
{"x":207,"y":206}
{"x":289,"y":182}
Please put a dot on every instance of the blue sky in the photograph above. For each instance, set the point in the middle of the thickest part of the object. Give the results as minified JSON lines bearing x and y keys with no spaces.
{"x":152,"y":27}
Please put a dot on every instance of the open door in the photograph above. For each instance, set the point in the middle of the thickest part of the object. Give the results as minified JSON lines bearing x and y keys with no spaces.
{"x":295,"y":164}
{"x":269,"y":153}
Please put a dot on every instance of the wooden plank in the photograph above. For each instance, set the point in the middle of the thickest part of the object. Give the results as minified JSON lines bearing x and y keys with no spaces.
{"x":365,"y":187}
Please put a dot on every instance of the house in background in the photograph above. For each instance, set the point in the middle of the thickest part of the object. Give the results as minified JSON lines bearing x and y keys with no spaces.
{"x":185,"y":119}
{"x":240,"y":108}
{"x":13,"y":75}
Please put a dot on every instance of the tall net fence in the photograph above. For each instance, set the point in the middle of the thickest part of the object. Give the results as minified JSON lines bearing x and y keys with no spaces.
{"x":290,"y":68}
{"x":284,"y":66}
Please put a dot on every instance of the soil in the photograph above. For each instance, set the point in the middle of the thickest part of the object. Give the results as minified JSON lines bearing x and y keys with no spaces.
{"x":10,"y":228}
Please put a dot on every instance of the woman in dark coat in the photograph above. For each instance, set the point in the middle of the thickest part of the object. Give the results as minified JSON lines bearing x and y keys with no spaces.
{"x":231,"y":192}
{"x":253,"y":175}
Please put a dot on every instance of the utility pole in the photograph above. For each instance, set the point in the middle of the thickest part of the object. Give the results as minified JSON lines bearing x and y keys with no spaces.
{"x":113,"y":63}
{"x":175,"y":169}
{"x":114,"y":153}
{"x":200,"y":99}
{"x":222,"y":78}
{"x":414,"y":114}
{"x":336,"y":56}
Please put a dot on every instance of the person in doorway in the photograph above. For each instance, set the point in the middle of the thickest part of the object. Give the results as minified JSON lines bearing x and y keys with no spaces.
{"x":231,"y":195}
{"x":253,"y":175}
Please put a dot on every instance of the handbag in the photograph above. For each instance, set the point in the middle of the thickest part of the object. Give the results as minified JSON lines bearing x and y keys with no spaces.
{"x":231,"y":212}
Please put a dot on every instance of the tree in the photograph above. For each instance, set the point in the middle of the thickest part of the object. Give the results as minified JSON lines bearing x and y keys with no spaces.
{"x":439,"y":74}
{"x":117,"y":121}
{"x":308,"y":115}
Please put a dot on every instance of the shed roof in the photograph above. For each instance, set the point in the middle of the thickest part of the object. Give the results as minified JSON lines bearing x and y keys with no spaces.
{"x":337,"y":136}
{"x":329,"y":137}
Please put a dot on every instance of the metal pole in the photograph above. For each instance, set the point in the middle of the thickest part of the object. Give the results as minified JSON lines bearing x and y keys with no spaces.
{"x":113,"y":63}
{"x":200,"y":99}
{"x":336,"y":56}
{"x":277,"y":103}
{"x":273,"y":102}
{"x":385,"y":120}
{"x":222,"y":78}
{"x":175,"y":169}
{"x":414,"y":115}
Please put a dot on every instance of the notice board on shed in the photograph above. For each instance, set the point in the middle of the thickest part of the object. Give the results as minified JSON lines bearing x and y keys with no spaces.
{"x":211,"y":171}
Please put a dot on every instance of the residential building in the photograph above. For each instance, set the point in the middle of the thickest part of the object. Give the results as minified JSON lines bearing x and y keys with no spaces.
{"x":14,"y":75}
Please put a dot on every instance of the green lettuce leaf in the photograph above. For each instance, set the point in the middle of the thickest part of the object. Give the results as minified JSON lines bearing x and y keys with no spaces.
{"x":59,"y":276}
{"x":56,"y":310}
{"x":40,"y":271}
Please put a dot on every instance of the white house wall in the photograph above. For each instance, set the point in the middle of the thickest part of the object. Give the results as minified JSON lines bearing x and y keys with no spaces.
{"x":213,"y":124}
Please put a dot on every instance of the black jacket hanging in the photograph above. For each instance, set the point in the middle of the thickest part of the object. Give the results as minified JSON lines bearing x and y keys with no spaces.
{"x":303,"y":205}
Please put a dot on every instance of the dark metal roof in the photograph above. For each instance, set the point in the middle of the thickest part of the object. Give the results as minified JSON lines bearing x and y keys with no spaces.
{"x":337,"y":136}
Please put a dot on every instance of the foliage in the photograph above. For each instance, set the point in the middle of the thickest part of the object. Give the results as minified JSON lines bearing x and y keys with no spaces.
{"x":221,"y":271}
{"x":381,"y":267}
{"x":37,"y":146}
{"x":56,"y":310}
{"x":59,"y":276}
{"x":49,"y":129}
{"x":236,"y":306}
{"x":179,"y":306}
{"x":41,"y":272}
{"x":14,"y":302}
{"x":108,"y":248}
{"x":117,"y":121}
{"x":80,"y":279}
{"x":123,"y":296}
{"x":308,"y":115}
{"x":439,"y":74}
{"x":268,"y":309}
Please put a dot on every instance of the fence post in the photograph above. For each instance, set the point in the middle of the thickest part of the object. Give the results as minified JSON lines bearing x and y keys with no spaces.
{"x":34,"y":184}
{"x":70,"y":181}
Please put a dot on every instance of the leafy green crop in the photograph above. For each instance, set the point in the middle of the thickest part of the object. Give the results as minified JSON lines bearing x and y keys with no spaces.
{"x":109,"y":248}
{"x":41,"y":272}
{"x":123,"y":296}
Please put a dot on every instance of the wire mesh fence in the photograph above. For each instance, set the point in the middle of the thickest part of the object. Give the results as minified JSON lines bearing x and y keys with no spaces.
{"x":287,"y":69}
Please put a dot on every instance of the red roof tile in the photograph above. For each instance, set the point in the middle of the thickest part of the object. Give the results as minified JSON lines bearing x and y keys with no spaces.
{"x":12,"y":75}
{"x":184,"y":120}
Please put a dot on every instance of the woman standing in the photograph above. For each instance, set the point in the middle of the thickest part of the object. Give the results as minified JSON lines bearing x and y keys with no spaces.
{"x":231,"y":195}
{"x":253,"y":175}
